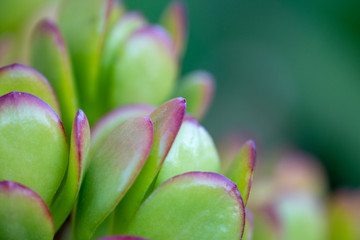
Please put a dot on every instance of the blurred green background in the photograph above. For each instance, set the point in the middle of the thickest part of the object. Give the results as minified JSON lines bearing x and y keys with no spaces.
{"x":288,"y":73}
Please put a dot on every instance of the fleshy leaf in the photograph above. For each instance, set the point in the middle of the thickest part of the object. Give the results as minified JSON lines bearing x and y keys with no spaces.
{"x":17,"y":77}
{"x":194,"y":205}
{"x":85,"y":34}
{"x":198,"y":89}
{"x":49,"y":55}
{"x":167,"y":120}
{"x":249,"y":226}
{"x":65,"y":198}
{"x":113,"y":119}
{"x":192,"y":150}
{"x":174,"y":21}
{"x":145,"y":69}
{"x":113,"y":45}
{"x":111,"y":172}
{"x":122,"y":238}
{"x":33,"y":147}
{"x":241,"y":170}
{"x":23,"y":214}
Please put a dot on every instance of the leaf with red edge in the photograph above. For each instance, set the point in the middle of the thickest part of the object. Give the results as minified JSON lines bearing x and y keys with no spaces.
{"x":145,"y":69}
{"x":85,"y":35}
{"x":21,"y":78}
{"x":111,"y":172}
{"x":198,"y":89}
{"x":113,"y":46}
{"x":23,"y":214}
{"x":242,"y":169}
{"x":79,"y":147}
{"x":49,"y":55}
{"x":33,"y":147}
{"x":194,"y":205}
{"x":167,"y":120}
{"x":113,"y":119}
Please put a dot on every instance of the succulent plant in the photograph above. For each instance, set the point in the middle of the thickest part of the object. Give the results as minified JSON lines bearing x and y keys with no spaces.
{"x":146,"y":169}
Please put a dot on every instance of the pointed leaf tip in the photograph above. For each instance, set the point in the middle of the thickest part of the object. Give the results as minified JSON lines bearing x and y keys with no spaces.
{"x":167,"y":120}
{"x":79,"y":148}
{"x":111,"y":172}
{"x":242,"y":169}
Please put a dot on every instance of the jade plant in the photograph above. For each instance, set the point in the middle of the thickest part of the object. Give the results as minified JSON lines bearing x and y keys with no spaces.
{"x":142,"y":166}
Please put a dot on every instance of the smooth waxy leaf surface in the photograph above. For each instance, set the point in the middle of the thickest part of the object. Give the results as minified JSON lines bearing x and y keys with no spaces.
{"x":145,"y":69}
{"x":249,"y":226}
{"x":33,"y":147}
{"x":192,"y":150}
{"x":111,"y":172}
{"x":113,"y":46}
{"x":65,"y":198}
{"x":84,"y":34}
{"x":49,"y":55}
{"x":174,"y":21}
{"x":17,"y":77}
{"x":23,"y":214}
{"x":198,"y":90}
{"x":195,"y":205}
{"x":113,"y":119}
{"x":242,"y":169}
{"x":167,"y":120}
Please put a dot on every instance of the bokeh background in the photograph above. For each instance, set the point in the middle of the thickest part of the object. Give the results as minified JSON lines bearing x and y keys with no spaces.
{"x":287,"y":71}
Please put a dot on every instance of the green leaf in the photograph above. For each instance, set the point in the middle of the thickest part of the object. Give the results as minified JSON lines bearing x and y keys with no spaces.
{"x":145,"y":69}
{"x":174,"y":20}
{"x":198,"y":89}
{"x":242,"y":169}
{"x":65,"y":198}
{"x":33,"y":147}
{"x":194,"y":205}
{"x":85,"y":35}
{"x":23,"y":214}
{"x":167,"y":120}
{"x":249,"y":226}
{"x":49,"y":55}
{"x":114,"y":43}
{"x":192,"y":150}
{"x":112,"y":170}
{"x":17,"y":77}
{"x":113,"y":119}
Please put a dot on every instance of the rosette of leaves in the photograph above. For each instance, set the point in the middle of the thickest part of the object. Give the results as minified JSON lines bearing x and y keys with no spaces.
{"x":147,"y":172}
{"x":98,"y":57}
